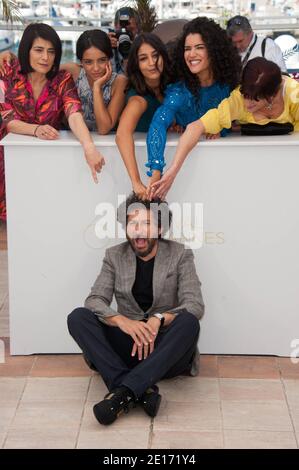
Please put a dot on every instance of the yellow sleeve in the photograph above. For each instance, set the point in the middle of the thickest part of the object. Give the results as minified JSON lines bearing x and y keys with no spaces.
{"x":228,"y":110}
{"x":293,"y":98}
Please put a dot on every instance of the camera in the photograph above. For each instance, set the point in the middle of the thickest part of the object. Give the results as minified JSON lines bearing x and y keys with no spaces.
{"x":125,"y":38}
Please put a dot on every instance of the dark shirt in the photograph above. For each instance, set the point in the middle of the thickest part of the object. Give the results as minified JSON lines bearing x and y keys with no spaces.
{"x":142,"y":289}
{"x":117,"y":62}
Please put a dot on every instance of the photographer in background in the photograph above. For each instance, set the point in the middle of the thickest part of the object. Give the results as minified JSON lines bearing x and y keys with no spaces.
{"x":127,"y":26}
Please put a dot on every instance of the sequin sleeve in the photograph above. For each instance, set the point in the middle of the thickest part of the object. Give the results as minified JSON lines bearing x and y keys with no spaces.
{"x":174,"y":100}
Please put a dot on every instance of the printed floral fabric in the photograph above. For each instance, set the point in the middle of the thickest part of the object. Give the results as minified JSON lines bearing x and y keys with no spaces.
{"x":58,"y":98}
{"x":86,"y":96}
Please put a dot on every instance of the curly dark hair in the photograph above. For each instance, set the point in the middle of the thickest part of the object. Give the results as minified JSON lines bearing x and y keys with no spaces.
{"x":135,"y":77}
{"x":224,"y":57}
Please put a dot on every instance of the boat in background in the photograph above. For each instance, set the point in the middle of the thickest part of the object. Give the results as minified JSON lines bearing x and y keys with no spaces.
{"x":71,"y":17}
{"x":7,"y":39}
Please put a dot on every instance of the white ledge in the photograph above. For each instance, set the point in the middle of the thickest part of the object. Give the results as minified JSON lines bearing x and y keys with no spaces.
{"x":69,"y":140}
{"x":238,"y":201}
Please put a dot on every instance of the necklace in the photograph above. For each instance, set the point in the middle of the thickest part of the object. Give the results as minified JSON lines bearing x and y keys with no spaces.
{"x":269,"y":106}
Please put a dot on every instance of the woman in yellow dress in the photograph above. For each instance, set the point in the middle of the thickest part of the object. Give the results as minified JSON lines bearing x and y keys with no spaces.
{"x":264,"y":96}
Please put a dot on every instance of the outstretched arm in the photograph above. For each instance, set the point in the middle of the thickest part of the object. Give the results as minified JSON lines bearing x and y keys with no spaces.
{"x":94,"y":159}
{"x":72,"y":110}
{"x":174,"y":100}
{"x":186,"y":143}
{"x":212,"y":122}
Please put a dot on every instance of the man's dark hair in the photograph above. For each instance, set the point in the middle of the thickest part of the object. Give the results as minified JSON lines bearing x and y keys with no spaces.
{"x":161,"y":208}
{"x":35,"y":31}
{"x":236,"y":24}
{"x":94,"y":38}
{"x":136,"y":79}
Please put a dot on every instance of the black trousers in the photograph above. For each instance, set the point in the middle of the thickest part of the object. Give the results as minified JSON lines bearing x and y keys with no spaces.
{"x":109,"y":349}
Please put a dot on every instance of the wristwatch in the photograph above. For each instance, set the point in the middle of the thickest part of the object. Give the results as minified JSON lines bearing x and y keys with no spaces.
{"x":161,"y":318}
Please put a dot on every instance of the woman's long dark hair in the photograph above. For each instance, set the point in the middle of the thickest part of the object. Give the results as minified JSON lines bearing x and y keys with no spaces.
{"x":135,"y":77}
{"x":224,"y":57}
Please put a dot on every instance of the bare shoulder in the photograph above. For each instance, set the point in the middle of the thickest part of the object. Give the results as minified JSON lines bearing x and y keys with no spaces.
{"x":138,"y":101}
{"x":120,"y":82}
{"x":121,"y":79}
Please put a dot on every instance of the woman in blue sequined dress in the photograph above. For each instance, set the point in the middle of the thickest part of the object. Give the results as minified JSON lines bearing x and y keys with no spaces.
{"x":208,"y":68}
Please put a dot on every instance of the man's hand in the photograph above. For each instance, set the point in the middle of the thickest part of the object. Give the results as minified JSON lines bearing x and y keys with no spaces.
{"x":113,"y":40}
{"x":144,"y":350}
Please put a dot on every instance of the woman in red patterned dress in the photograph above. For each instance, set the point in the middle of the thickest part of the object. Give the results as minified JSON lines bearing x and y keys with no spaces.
{"x":37,"y":96}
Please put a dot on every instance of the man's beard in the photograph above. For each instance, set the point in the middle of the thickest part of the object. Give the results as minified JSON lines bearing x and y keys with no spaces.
{"x":145,"y":247}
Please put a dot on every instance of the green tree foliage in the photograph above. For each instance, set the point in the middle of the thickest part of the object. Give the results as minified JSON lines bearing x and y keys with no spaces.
{"x":9,"y":11}
{"x":147,"y":14}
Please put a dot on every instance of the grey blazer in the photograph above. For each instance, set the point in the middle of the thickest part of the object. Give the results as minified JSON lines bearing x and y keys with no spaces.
{"x":175,"y":284}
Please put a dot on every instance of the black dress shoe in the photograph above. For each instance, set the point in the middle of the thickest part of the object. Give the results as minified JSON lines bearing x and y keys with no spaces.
{"x":119,"y":401}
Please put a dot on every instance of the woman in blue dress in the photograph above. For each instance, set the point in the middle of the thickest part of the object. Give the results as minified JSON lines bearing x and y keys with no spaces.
{"x":208,"y":68}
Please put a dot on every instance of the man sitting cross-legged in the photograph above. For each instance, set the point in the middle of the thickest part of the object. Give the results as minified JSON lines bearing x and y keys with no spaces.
{"x":154,"y":332}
